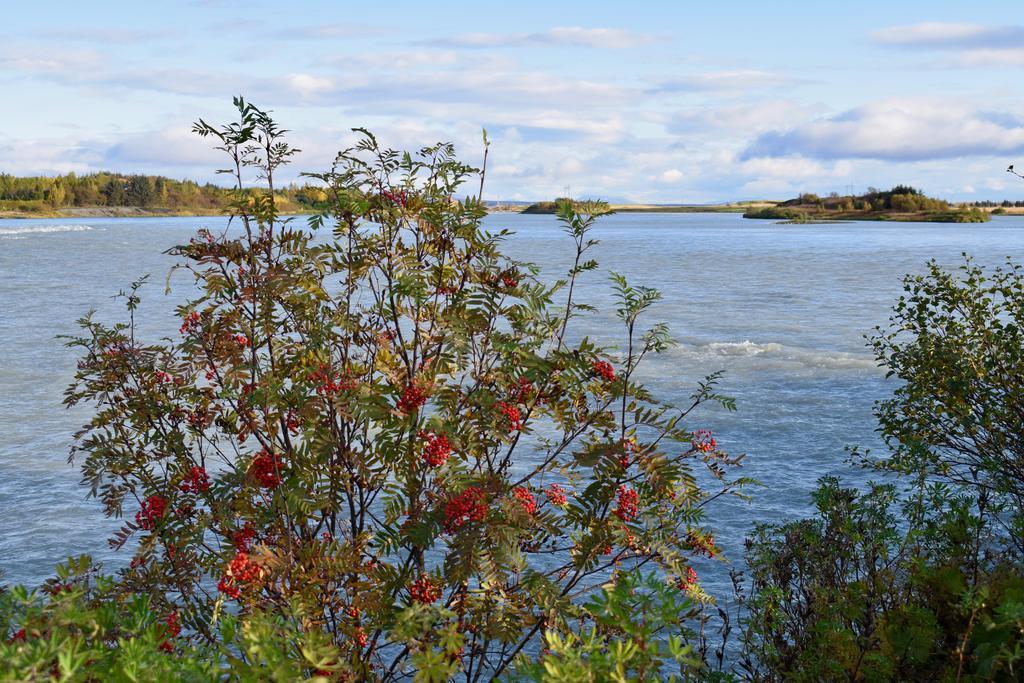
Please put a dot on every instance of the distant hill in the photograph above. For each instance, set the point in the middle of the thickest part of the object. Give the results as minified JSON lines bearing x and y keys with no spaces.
{"x":901,"y":203}
{"x":107,"y":193}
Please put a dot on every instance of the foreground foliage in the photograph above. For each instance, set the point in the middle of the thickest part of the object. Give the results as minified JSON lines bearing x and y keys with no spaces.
{"x":376,"y":450}
{"x":929,"y":584}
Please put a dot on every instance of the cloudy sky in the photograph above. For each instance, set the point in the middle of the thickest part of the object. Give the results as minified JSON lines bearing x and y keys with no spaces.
{"x":669,"y":101}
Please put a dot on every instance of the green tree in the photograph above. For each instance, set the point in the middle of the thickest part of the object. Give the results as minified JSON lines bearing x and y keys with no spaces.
{"x":377,"y":421}
{"x":925,"y":583}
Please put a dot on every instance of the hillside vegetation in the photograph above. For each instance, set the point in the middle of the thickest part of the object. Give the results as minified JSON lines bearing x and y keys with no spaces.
{"x":139,"y":194}
{"x":901,"y":203}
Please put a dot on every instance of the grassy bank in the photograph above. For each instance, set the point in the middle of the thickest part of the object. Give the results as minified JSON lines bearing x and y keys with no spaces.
{"x":901,"y":203}
{"x":799,"y":215}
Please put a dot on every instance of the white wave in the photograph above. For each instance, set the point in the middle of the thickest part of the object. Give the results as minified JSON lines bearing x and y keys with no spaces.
{"x":773,"y":355}
{"x":743,"y":348}
{"x":43,"y":229}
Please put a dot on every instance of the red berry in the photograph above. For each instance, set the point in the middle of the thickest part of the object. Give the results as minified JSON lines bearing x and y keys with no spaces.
{"x":556,"y":494}
{"x":604,"y":370}
{"x":703,"y":441}
{"x":424,"y":591}
{"x":627,"y":505}
{"x":196,"y":481}
{"x":411,"y":400}
{"x":436,"y":448}
{"x":525,"y":498}
{"x":512,"y":416}
{"x":689,"y":581}
{"x":468,"y":506}
{"x":266,"y":469}
{"x":152,"y":511}
{"x":190,"y":322}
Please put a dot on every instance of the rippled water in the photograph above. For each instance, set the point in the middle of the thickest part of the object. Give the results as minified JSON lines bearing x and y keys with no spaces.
{"x":781,"y":308}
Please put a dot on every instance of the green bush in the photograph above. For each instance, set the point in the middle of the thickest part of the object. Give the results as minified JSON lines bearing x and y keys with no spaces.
{"x":375,"y":449}
{"x":926,"y":583}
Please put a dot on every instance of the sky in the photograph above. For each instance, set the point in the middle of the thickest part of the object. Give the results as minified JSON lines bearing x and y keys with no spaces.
{"x":644,"y":101}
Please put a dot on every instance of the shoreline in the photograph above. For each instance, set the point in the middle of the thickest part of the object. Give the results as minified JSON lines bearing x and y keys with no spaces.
{"x":137,"y":212}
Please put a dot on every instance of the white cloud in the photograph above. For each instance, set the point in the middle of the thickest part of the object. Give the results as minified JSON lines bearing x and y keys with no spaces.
{"x":898,"y":130}
{"x":576,"y":36}
{"x":306,"y":85}
{"x":968,"y":44}
{"x":47,"y":156}
{"x":991,"y":57}
{"x":933,"y":34}
{"x":755,"y":117}
{"x":741,"y":79}
{"x":170,"y":147}
{"x":327,"y":31}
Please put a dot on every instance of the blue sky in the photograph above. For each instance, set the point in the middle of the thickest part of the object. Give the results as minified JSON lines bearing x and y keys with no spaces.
{"x":642,"y":101}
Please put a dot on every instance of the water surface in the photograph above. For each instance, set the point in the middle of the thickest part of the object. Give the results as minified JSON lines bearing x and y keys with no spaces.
{"x":782,"y":309}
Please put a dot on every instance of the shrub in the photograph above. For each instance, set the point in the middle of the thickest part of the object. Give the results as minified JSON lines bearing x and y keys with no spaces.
{"x":377,"y":434}
{"x":956,"y":342}
{"x":927,"y":584}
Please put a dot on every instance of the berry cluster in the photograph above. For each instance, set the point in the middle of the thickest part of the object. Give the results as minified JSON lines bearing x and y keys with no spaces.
{"x":424,"y":591}
{"x":525,"y":498}
{"x":523,"y":390}
{"x":468,"y":506}
{"x":630,"y":449}
{"x":291,"y":421}
{"x":411,"y":400}
{"x":198,"y":419}
{"x":162,"y":377}
{"x":190,"y":322}
{"x":705,"y":545}
{"x":240,"y":339}
{"x":556,"y":495}
{"x":241,"y":572}
{"x":196,"y":481}
{"x":512,"y":416}
{"x":436,"y":448}
{"x":171,"y":630}
{"x":703,"y":441}
{"x":689,"y":581}
{"x":361,"y":638}
{"x":509,"y":279}
{"x":628,"y":504}
{"x":400,"y":198}
{"x":328,"y":383}
{"x":242,"y":538}
{"x":152,"y":511}
{"x":603,"y":369}
{"x":266,"y":469}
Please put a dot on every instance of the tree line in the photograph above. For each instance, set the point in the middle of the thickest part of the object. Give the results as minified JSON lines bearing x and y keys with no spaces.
{"x":119,"y":189}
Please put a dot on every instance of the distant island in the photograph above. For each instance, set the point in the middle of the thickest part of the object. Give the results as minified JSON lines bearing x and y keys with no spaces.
{"x":549,"y":207}
{"x":901,"y":203}
{"x":131,"y":195}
